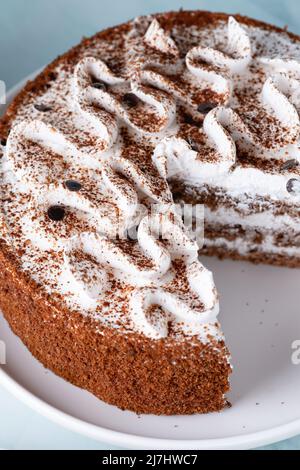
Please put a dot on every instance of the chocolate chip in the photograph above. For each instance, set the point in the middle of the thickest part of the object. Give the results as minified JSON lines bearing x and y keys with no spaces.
{"x":189,"y":120}
{"x":3,"y":142}
{"x":132,"y":233}
{"x":193,"y":145}
{"x":205,"y":107}
{"x":43,"y":108}
{"x":177,"y":196}
{"x":293,"y":186}
{"x":130,"y":99}
{"x":99,"y":85}
{"x":73,"y":185}
{"x":289,"y":164}
{"x":56,"y":213}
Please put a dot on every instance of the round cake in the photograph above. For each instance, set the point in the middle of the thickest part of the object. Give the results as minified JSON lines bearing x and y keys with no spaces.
{"x":101,"y":278}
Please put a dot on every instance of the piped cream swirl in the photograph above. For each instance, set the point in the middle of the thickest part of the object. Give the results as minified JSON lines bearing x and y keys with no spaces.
{"x":87,"y":137}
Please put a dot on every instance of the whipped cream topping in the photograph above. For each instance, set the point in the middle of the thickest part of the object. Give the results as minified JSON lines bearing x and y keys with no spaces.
{"x":122,"y":128}
{"x":90,"y":253}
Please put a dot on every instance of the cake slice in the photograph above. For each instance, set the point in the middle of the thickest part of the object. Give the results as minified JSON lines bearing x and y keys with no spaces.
{"x":242,"y":161}
{"x":100,"y":276}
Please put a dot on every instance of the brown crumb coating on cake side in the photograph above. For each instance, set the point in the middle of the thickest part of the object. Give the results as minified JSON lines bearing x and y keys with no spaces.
{"x":127,"y":370}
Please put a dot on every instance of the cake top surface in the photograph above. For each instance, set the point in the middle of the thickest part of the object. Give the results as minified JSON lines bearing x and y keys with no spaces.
{"x":85,"y":199}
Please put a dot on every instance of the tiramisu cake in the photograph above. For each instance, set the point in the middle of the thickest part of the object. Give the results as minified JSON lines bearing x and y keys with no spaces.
{"x":100,"y":276}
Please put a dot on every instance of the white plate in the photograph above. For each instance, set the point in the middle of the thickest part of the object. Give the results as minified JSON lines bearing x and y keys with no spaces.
{"x":261,"y":318}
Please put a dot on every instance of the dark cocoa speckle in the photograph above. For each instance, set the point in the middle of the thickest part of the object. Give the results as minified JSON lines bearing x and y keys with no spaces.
{"x":72,"y":185}
{"x":190,"y":120}
{"x":99,"y":85}
{"x":193,"y":145}
{"x":205,"y":107}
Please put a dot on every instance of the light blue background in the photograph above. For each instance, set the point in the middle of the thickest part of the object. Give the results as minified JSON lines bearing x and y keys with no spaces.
{"x":32,"y":33}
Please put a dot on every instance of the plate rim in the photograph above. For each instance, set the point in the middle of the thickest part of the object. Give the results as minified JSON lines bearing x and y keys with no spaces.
{"x":132,"y":441}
